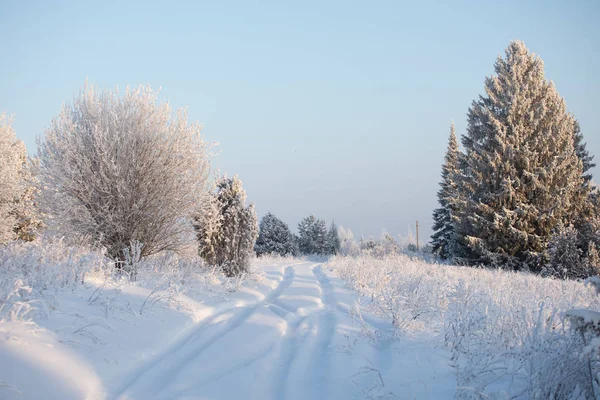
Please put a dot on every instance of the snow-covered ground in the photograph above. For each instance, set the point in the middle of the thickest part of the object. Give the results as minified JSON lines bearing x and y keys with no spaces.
{"x":362,"y":327}
{"x":292,"y":332}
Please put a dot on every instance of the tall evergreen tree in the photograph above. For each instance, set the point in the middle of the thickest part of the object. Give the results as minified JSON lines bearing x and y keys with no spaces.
{"x":333,"y":240}
{"x":227,"y":229}
{"x":274,"y":237}
{"x":312,"y":236}
{"x":443,"y":240}
{"x":582,"y":152}
{"x":588,"y":222}
{"x":523,"y":177}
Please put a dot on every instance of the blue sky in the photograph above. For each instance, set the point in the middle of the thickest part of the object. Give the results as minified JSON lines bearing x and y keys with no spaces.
{"x":341,"y":109}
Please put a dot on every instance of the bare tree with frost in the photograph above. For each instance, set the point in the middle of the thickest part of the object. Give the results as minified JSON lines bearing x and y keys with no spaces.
{"x":523,"y":176}
{"x":18,"y":219}
{"x":348,"y":246}
{"x":228,"y":229}
{"x":123,"y":169}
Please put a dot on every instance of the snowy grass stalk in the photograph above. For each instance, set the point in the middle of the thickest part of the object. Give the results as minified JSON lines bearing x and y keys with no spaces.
{"x":506,"y":331}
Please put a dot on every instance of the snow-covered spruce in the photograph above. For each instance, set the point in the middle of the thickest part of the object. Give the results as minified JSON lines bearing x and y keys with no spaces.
{"x":227,"y":229}
{"x":333,"y":240}
{"x":523,"y":176}
{"x":443,"y":240}
{"x":275,"y":237}
{"x":312,"y":236}
{"x":583,"y":153}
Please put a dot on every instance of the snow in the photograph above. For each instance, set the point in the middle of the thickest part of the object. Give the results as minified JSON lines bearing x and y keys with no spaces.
{"x":586,"y":316}
{"x":293,"y":332}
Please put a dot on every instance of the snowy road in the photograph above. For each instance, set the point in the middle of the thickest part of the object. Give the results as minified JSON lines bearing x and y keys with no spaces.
{"x":296,"y":341}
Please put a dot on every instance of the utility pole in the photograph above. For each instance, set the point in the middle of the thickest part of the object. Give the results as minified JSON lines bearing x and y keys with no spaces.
{"x":417,"y":236}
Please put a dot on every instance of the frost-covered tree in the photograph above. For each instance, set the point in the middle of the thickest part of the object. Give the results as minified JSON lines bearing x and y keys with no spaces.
{"x":123,"y":169}
{"x":348,"y":246}
{"x":227,"y":229}
{"x":369,"y":244}
{"x":333,"y":240}
{"x":389,"y":244}
{"x":18,"y":217}
{"x":566,"y":260}
{"x":522,"y":175}
{"x":584,"y":155}
{"x":295,"y":243}
{"x":312,"y":236}
{"x":443,"y":240}
{"x":593,"y":258}
{"x":274,"y":237}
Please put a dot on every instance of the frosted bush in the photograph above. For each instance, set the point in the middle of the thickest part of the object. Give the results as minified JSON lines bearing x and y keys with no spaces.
{"x":34,"y":273}
{"x":506,"y":331}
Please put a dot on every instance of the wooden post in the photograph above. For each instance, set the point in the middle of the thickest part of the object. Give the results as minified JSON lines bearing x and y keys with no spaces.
{"x":417,"y":236}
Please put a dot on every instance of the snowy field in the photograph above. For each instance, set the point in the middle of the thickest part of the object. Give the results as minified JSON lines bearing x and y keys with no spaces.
{"x":348,"y":328}
{"x":288,"y":331}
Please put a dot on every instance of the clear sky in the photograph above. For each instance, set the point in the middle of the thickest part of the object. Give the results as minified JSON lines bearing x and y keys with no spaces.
{"x":336,"y":108}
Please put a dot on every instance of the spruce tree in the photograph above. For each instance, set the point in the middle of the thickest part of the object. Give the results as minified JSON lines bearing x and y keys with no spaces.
{"x":522,"y":175}
{"x":333,"y":240}
{"x":274,"y":237}
{"x":582,"y":152}
{"x":312,"y":236}
{"x":227,"y":229}
{"x":588,"y":221}
{"x":443,"y":241}
{"x":593,"y":259}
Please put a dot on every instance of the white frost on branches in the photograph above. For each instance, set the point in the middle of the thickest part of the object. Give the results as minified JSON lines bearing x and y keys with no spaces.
{"x":227,"y":229}
{"x":16,"y":206}
{"x":121,"y":169}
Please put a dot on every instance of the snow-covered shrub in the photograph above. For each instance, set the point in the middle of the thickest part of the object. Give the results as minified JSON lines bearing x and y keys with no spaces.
{"x":227,"y":229}
{"x":566,"y":258}
{"x":122,"y":169}
{"x":505,"y":330}
{"x":586,"y":323}
{"x":33,"y":273}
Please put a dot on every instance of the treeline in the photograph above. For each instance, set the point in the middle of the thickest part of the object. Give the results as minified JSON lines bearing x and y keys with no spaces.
{"x":519,"y":195}
{"x":313,"y":237}
{"x":129,"y":175}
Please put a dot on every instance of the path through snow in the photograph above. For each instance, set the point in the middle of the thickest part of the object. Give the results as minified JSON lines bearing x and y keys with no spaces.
{"x":297,"y":342}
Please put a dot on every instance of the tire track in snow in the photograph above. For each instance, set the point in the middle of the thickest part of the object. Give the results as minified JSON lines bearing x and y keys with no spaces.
{"x":319,"y":365}
{"x":239,"y":365}
{"x":305,"y":356}
{"x":150,"y":379}
{"x":286,"y":354}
